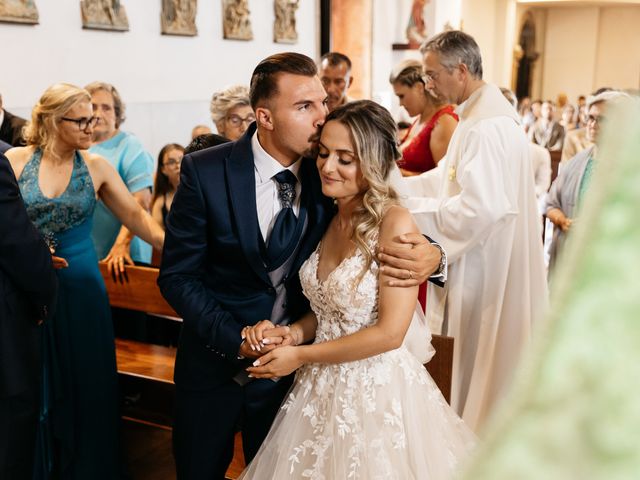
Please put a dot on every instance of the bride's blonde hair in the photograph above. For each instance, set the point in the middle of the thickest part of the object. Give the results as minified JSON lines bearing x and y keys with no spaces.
{"x":373,"y":134}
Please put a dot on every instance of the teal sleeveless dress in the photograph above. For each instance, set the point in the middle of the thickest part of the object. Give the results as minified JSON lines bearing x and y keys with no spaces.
{"x":79,"y":418}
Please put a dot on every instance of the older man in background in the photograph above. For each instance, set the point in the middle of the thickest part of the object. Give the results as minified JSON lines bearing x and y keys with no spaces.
{"x":336,"y":78}
{"x":480,"y":205}
{"x":547,"y":131}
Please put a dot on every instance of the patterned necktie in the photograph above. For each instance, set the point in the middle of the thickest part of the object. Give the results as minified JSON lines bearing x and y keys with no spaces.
{"x":281,"y":238}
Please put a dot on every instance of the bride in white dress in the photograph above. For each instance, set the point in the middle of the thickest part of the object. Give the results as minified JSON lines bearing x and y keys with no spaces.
{"x":362,"y":406}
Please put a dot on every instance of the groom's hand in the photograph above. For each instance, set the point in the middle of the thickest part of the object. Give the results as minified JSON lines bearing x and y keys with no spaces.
{"x":410,"y":260}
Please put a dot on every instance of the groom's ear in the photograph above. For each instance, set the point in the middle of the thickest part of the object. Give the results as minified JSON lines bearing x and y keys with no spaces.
{"x":264,"y":118}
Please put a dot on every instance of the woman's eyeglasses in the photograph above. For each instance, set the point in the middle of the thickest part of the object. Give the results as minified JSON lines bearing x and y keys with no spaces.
{"x":237,"y":120}
{"x":83,"y":123}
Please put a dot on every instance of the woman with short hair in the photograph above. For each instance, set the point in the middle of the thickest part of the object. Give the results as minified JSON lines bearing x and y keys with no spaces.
{"x":231,"y":111}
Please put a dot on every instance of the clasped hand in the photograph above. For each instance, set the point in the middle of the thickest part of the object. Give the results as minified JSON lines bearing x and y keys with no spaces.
{"x":267,"y":343}
{"x":263,"y":337}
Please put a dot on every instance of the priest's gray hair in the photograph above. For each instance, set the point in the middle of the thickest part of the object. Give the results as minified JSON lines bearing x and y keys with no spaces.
{"x":456,"y":47}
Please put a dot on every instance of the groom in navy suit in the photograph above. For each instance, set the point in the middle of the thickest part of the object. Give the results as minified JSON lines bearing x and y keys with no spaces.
{"x":245,"y":217}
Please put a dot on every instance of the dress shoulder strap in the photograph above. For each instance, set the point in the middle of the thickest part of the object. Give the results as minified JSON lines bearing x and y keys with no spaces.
{"x":446,"y":110}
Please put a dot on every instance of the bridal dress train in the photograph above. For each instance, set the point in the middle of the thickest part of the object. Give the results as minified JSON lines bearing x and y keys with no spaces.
{"x":382,"y":417}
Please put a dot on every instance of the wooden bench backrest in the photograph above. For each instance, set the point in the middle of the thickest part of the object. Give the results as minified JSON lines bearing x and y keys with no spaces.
{"x":440,"y":367}
{"x":138,"y":292}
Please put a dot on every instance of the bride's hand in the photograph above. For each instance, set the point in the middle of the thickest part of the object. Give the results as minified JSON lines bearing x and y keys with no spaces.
{"x":265,"y":333}
{"x":277,"y":363}
{"x":253,"y":336}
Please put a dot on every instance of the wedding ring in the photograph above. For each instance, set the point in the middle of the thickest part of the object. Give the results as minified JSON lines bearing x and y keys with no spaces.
{"x":410,"y":274}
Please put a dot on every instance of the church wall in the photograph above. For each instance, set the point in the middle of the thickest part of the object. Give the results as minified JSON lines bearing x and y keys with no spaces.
{"x":166,"y":81}
{"x":569,"y":62}
{"x":618,"y":49}
{"x":590,"y":47}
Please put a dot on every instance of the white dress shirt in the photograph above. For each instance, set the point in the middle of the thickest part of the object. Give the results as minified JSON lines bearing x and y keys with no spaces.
{"x":267,"y":201}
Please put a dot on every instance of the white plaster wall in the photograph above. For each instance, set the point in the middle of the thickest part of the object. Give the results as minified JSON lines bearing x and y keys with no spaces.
{"x":165,"y":81}
{"x":390,"y":19}
{"x":569,"y":57}
{"x":448,"y":13}
{"x":479,"y":19}
{"x":589,"y":47}
{"x":618,"y":50}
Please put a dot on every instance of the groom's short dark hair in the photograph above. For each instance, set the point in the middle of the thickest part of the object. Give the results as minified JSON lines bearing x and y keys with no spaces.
{"x":264,"y":80}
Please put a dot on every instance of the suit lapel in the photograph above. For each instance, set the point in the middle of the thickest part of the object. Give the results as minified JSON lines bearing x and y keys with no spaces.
{"x":242,"y":192}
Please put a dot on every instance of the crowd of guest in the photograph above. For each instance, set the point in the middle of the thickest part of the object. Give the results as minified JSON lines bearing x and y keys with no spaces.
{"x":573,"y":132}
{"x":90,"y":189}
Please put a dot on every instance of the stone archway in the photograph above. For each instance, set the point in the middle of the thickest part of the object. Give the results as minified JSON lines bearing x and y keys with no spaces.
{"x":528,"y":56}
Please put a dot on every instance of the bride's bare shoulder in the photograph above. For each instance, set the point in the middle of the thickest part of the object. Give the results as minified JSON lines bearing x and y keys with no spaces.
{"x":396,"y":221}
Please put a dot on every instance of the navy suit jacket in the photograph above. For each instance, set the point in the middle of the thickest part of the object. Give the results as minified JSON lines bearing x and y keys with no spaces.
{"x":11,"y":129}
{"x":212,"y":272}
{"x":28,"y":286}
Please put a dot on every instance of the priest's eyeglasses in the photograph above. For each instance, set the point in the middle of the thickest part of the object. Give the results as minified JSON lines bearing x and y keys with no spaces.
{"x":83,"y":123}
{"x":432,"y":76}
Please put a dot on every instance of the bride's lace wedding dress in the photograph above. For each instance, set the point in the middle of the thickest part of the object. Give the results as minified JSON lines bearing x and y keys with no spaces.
{"x":378,"y":418}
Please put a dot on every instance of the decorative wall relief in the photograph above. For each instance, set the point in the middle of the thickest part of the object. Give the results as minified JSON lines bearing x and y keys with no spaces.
{"x":178,"y":17}
{"x":417,"y":28}
{"x":18,"y":11}
{"x":104,"y":15}
{"x":236,"y":21}
{"x":284,"y":26}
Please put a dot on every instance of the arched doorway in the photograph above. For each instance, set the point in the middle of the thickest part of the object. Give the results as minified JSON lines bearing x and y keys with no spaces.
{"x":527,"y":42}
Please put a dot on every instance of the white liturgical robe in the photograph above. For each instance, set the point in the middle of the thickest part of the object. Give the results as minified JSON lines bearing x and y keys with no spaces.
{"x":480,"y":205}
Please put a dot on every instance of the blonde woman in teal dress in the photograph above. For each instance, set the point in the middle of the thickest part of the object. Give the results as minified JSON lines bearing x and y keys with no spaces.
{"x":60,"y":183}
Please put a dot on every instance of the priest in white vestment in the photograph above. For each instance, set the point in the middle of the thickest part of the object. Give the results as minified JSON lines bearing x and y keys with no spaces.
{"x":480,"y":205}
